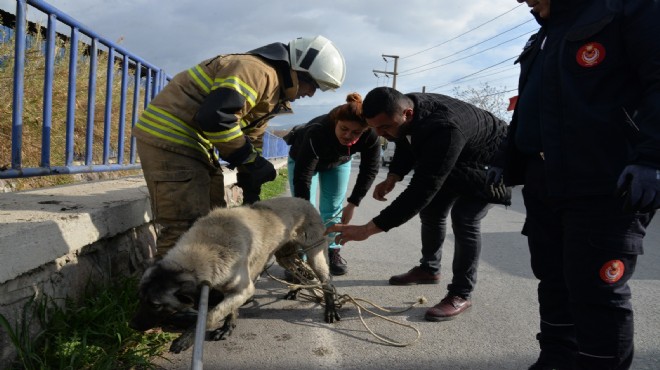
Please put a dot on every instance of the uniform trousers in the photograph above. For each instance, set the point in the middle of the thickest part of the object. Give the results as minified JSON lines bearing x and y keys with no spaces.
{"x":181,"y":190}
{"x":583,"y":251}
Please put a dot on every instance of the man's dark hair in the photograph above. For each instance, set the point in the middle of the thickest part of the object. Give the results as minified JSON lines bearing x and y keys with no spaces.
{"x":384,"y":100}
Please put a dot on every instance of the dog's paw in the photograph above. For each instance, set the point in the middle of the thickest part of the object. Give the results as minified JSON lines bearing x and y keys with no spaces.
{"x":331,"y":314}
{"x":292,"y":295}
{"x":222,"y":333}
{"x":183,"y":342}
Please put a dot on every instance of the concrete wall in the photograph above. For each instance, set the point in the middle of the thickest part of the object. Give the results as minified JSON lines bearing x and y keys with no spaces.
{"x":54,"y":241}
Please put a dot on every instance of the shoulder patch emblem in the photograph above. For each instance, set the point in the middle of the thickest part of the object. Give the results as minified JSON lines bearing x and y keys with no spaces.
{"x":612,"y":271}
{"x":590,"y":54}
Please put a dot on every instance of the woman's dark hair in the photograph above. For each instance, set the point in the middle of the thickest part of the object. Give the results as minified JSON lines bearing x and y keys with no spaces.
{"x":351,"y":111}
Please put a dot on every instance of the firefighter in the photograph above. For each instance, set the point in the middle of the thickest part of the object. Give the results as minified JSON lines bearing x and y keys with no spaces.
{"x":219,"y":110}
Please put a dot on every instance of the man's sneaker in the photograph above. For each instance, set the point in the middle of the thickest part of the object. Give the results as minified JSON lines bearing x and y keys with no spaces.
{"x":417,"y":275}
{"x":337,"y":263}
{"x":448,"y":308}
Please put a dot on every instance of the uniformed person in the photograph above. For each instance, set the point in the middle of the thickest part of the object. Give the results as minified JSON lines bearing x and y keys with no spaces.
{"x":587,"y":121}
{"x":219,"y":110}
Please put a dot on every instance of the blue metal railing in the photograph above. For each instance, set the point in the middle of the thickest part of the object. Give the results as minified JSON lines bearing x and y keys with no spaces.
{"x":146,"y":79}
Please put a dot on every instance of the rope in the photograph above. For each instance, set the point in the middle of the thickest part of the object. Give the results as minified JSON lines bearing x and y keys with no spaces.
{"x":305,"y":275}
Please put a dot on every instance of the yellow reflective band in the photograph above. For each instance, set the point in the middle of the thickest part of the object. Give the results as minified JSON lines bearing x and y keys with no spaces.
{"x":224,"y":136}
{"x":172,"y":121}
{"x":155,"y":125}
{"x":237,"y":84}
{"x":144,"y":126}
{"x":202,"y":79}
{"x":243,"y":123}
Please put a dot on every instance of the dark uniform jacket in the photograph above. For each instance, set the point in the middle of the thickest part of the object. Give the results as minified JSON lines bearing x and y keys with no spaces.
{"x":315,"y":148}
{"x":447,"y":144}
{"x":597,"y":100}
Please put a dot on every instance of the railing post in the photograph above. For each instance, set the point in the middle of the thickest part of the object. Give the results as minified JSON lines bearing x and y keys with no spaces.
{"x":71,"y":97}
{"x":19,"y":76}
{"x":48,"y":92}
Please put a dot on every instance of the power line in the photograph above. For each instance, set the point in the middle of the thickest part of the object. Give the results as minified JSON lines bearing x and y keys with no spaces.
{"x":502,"y":70}
{"x":500,"y":93}
{"x":472,"y":74}
{"x":490,"y":82}
{"x":464,"y":33}
{"x":468,"y":56}
{"x":467,"y":48}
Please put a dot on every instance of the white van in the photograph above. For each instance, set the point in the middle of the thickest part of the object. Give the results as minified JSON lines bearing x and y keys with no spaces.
{"x":388,"y":153}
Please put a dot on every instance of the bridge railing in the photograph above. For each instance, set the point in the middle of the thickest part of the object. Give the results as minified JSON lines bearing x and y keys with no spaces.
{"x":91,"y":93}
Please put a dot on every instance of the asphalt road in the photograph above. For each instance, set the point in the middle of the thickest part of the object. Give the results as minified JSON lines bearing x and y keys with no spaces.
{"x":497,"y":333}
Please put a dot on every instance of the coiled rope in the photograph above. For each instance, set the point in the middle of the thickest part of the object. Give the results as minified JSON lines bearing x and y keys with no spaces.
{"x":309,"y":281}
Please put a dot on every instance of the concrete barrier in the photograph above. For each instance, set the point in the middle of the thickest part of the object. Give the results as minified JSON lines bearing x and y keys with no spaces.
{"x":54,"y":241}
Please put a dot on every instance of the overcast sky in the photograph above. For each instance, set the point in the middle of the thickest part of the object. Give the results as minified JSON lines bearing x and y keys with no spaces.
{"x":438,"y":42}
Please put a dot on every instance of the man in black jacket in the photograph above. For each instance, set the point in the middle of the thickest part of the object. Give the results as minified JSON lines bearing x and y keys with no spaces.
{"x":447,"y":143}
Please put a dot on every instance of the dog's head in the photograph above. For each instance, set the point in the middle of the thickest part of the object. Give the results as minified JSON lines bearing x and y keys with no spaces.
{"x":163,"y":292}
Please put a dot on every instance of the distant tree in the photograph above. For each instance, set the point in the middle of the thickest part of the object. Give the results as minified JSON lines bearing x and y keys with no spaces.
{"x":280,"y":132}
{"x":494,"y":99}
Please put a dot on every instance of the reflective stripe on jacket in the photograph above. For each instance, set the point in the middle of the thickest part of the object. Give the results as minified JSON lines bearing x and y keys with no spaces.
{"x":169,"y":119}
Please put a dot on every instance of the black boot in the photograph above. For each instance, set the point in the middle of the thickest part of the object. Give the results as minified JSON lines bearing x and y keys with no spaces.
{"x":337,"y":263}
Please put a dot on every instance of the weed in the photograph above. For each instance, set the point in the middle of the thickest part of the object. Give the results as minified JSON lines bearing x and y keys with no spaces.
{"x":90,"y":334}
{"x":276,"y":187}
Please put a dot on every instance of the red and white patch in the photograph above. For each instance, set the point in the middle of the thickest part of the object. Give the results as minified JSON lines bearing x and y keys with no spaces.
{"x":591,"y":54}
{"x":612,"y":271}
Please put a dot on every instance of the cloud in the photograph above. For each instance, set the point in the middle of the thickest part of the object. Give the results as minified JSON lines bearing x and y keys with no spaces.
{"x":175,"y":35}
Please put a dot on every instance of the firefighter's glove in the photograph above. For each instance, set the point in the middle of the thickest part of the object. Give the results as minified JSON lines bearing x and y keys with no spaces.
{"x":640,"y":187}
{"x":495,"y":183}
{"x":252,"y":175}
{"x":245,"y":154}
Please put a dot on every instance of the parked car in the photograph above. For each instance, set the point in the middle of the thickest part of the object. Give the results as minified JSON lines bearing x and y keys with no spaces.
{"x":388,"y":153}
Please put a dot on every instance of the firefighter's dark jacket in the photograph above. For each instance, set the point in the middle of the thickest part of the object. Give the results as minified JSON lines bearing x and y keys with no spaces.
{"x":315,"y":147}
{"x":448,"y":144}
{"x":223,"y":103}
{"x":596,"y":117}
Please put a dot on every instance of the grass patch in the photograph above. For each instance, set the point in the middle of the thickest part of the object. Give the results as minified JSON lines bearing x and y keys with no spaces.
{"x":93,"y":332}
{"x":33,"y":106}
{"x":90,"y":334}
{"x":276,"y":187}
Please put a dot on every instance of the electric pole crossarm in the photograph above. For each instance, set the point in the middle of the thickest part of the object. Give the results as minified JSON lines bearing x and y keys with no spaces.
{"x":393,"y":73}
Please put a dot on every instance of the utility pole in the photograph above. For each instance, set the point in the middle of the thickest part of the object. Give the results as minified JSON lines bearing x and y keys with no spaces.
{"x":394,"y":73}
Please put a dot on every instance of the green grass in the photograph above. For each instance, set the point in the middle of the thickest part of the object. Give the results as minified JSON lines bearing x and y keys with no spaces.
{"x":93,"y":333}
{"x":90,"y":334}
{"x":277,"y":187}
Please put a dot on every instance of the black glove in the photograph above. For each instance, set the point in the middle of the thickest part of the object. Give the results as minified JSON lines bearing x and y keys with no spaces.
{"x":640,"y":186}
{"x":252,"y":175}
{"x":495,"y":182}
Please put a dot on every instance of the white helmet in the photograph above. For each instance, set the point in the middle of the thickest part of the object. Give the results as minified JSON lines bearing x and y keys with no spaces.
{"x":320,"y":58}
